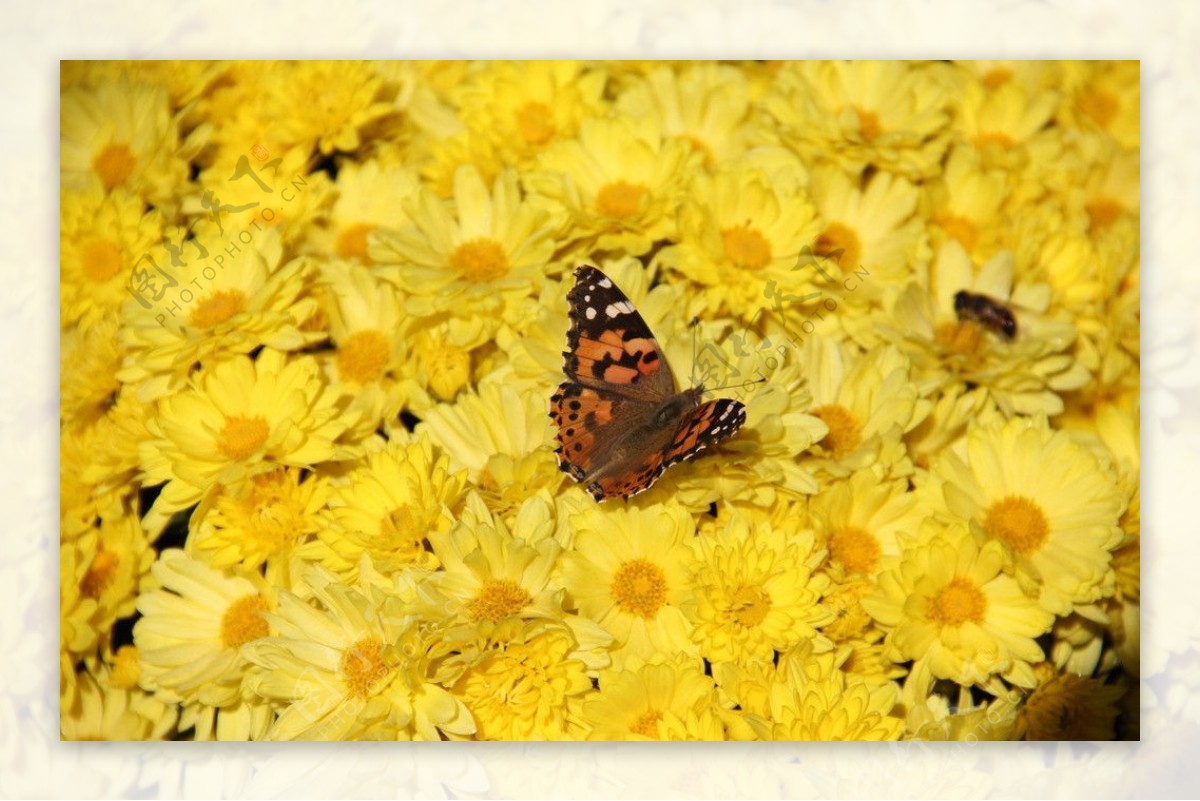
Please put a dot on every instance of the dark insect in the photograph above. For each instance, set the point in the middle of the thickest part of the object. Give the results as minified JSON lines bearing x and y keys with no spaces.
{"x":988,"y":312}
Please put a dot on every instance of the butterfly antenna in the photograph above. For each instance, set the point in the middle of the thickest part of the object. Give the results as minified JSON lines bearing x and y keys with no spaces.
{"x":761,"y":380}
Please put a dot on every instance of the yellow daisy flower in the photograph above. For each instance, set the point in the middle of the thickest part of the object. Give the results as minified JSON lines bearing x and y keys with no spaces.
{"x":754,"y":591}
{"x":964,"y":202}
{"x":673,"y":700}
{"x":192,"y":629}
{"x":889,"y":114}
{"x":387,"y":508}
{"x":948,"y":603}
{"x":619,"y":182}
{"x":1106,"y":95}
{"x":864,"y":521}
{"x":1070,"y":707}
{"x":245,"y":301}
{"x":123,"y":135}
{"x":105,"y":710}
{"x":350,"y":666}
{"x":101,"y":239}
{"x":371,"y":195}
{"x":1007,"y":124}
{"x":1046,"y":502}
{"x":931,"y":715}
{"x":240,"y":721}
{"x":625,"y":569}
{"x":475,"y":262}
{"x":88,"y":360}
{"x":325,"y":106}
{"x":239,"y":418}
{"x":527,"y":685}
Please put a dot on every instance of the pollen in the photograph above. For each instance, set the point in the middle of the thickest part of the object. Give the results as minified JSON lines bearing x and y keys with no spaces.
{"x":363,"y":666}
{"x":101,"y":260}
{"x":750,"y":606}
{"x":1102,"y":213}
{"x":535,"y":123}
{"x":364,"y":356}
{"x":855,"y":550}
{"x":217,"y":308}
{"x":496,"y":600}
{"x":960,"y":228}
{"x":960,"y":601}
{"x":841,"y":244}
{"x":352,"y":242}
{"x":964,"y":338}
{"x":620,"y":199}
{"x":479,"y":260}
{"x":1099,"y":106}
{"x":114,"y":164}
{"x":868,"y":123}
{"x":1017,"y":522}
{"x":100,"y":574}
{"x":242,"y":436}
{"x":640,"y":588}
{"x":746,"y":247}
{"x":845,"y":430}
{"x":646,"y":724}
{"x":242,"y":622}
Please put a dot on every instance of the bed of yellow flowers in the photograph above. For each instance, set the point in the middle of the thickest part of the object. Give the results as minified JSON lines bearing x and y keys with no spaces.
{"x":312,"y":314}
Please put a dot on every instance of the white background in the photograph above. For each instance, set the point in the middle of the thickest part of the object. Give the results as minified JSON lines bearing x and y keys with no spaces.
{"x":1163,"y":35}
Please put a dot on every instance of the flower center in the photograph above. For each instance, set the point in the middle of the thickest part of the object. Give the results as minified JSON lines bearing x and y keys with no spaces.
{"x":698,"y":145}
{"x":479,"y":260}
{"x":993,"y":138}
{"x":620,"y":199}
{"x":855,"y":549}
{"x":217,"y":308}
{"x":960,"y":601}
{"x":996,"y":77}
{"x":746,"y":247}
{"x":363,"y":666}
{"x":868,"y":123}
{"x":845,"y":431}
{"x":840,"y":243}
{"x":100,"y":574}
{"x":535,"y":123}
{"x":750,"y":606}
{"x":1100,"y":106}
{"x":242,"y":436}
{"x":962,"y":338}
{"x":101,"y":260}
{"x":400,"y":521}
{"x":352,"y":242}
{"x":640,"y":588}
{"x":960,"y":228}
{"x":126,"y":671}
{"x":1017,"y":522}
{"x":647,"y":724}
{"x":364,"y":356}
{"x":1102,"y":213}
{"x":497,"y":599}
{"x":114,"y":164}
{"x":242,"y":622}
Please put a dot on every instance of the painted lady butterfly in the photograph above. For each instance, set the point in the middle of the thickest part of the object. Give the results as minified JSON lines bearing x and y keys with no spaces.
{"x":621,"y":419}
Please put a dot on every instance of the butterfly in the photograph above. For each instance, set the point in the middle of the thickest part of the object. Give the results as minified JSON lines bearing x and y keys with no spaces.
{"x":621,"y":419}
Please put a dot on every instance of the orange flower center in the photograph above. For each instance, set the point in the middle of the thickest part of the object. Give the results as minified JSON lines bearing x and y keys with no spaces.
{"x":352,"y":242}
{"x":640,"y":588}
{"x":242,"y":436}
{"x":750,"y":606}
{"x":988,"y":139}
{"x":1102,"y":213}
{"x":363,"y":666}
{"x":841,"y":244}
{"x":535,"y":123}
{"x":1100,"y":106}
{"x":479,"y":260}
{"x":647,"y":724}
{"x":962,"y":338}
{"x":1017,"y":522}
{"x":242,"y":622}
{"x":855,"y":549}
{"x":868,"y":123}
{"x":496,"y":600}
{"x":620,"y":199}
{"x":746,"y":247}
{"x":845,"y":431}
{"x":960,"y":228}
{"x":100,"y":574}
{"x":364,"y":356}
{"x":114,"y":164}
{"x":217,"y":308}
{"x":960,"y":601}
{"x":996,"y":77}
{"x":101,"y":260}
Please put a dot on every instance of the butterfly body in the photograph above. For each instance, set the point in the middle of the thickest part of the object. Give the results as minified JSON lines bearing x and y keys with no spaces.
{"x":987,"y":311}
{"x":621,"y":419}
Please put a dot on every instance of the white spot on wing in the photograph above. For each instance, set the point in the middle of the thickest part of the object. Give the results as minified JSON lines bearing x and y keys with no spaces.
{"x":604,"y":282}
{"x":615,"y":309}
{"x":590,"y":313}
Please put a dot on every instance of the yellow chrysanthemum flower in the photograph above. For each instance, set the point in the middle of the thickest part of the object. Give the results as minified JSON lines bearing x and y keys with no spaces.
{"x":965,"y":204}
{"x":352,"y":666}
{"x":931,"y":715}
{"x":947,"y":602}
{"x":102,"y":236}
{"x":1107,"y":95}
{"x":864,"y":520}
{"x":387,"y":508}
{"x":237,"y":419}
{"x":619,"y":182}
{"x":1070,"y":707}
{"x":325,"y":106}
{"x":244,"y":301}
{"x":674,"y":700}
{"x":754,"y":591}
{"x":1046,"y":502}
{"x":192,"y":629}
{"x":890,"y":114}
{"x":371,"y":196}
{"x":123,"y":135}
{"x":527,"y":685}
{"x":105,"y":710}
{"x":626,"y":570}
